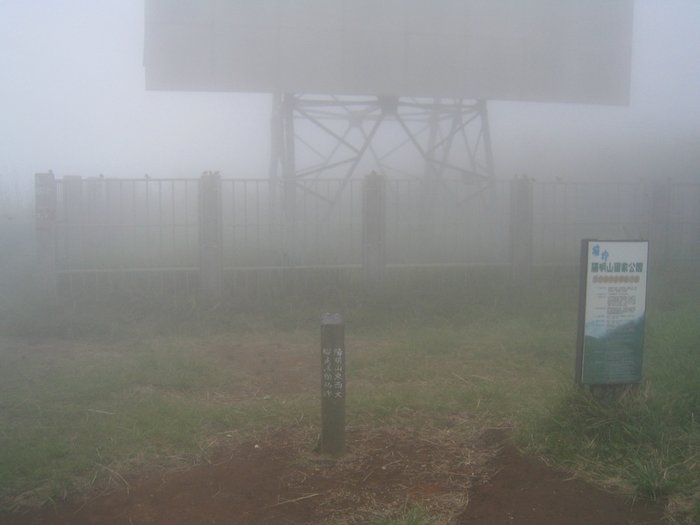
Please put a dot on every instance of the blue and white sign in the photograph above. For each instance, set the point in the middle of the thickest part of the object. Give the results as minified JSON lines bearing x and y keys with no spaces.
{"x":615,"y":309}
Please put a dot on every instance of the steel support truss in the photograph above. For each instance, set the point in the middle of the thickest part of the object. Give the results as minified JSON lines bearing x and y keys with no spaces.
{"x":317,"y":136}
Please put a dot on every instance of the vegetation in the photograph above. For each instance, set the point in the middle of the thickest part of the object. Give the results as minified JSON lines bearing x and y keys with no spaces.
{"x":648,"y":439}
{"x":93,"y":390}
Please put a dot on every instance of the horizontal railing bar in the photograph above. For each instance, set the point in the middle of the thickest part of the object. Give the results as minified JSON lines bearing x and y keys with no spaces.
{"x":73,"y":271}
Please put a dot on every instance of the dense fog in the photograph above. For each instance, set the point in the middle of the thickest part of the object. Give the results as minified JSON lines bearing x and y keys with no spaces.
{"x":72,"y":99}
{"x":182,"y":198}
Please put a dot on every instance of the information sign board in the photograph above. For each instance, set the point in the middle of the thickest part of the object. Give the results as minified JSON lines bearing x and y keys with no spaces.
{"x":611,"y":312}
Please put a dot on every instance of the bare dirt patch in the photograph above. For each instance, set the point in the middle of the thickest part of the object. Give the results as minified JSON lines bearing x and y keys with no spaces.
{"x":523,"y":490}
{"x":456,"y":476}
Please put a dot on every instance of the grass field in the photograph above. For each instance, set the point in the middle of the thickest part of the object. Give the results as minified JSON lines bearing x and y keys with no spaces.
{"x":91,"y":391}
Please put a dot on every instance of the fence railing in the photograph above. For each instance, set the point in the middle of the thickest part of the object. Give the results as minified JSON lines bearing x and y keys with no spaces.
{"x":212,"y":226}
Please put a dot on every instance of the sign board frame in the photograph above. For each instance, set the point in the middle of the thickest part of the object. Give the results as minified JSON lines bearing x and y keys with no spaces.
{"x":612,"y":311}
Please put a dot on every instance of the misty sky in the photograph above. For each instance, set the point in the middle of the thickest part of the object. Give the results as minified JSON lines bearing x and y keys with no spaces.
{"x":72,"y":99}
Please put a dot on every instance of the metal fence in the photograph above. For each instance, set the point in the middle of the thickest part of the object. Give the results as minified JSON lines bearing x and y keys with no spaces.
{"x":137,"y":225}
{"x":134,"y":224}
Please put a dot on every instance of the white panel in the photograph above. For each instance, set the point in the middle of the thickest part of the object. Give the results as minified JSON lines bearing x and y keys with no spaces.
{"x":373,"y":59}
{"x":246,"y":64}
{"x":375,"y":16}
{"x":310,"y":58}
{"x":322,"y":14}
{"x":433,"y":62}
{"x":545,"y":50}
{"x":446,"y":16}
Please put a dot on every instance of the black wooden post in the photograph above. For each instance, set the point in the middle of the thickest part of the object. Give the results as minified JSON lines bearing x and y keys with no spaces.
{"x":332,"y":385}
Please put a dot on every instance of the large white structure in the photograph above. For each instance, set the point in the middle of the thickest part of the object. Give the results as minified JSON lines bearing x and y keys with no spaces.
{"x":341,"y":69}
{"x":544,"y":50}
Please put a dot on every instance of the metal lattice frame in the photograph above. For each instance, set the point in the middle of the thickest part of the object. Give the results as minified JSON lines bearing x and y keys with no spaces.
{"x":450,"y":137}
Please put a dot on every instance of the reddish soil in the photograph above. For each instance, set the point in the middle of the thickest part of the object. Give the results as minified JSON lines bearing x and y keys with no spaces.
{"x":525,"y":491}
{"x":279,"y":480}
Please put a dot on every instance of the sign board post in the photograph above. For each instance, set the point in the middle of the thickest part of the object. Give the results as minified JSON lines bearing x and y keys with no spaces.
{"x":612,"y":311}
{"x":332,"y":385}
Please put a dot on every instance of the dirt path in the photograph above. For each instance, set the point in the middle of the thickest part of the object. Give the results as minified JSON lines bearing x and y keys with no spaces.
{"x":278,"y":480}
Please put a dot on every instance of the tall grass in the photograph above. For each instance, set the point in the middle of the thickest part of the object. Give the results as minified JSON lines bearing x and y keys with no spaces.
{"x":648,"y":439}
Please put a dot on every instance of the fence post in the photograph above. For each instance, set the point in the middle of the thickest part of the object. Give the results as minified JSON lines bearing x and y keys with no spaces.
{"x":45,"y":205}
{"x":521,"y":230}
{"x":211,"y":263}
{"x":659,"y":228}
{"x":73,"y":215}
{"x":374,"y":227}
